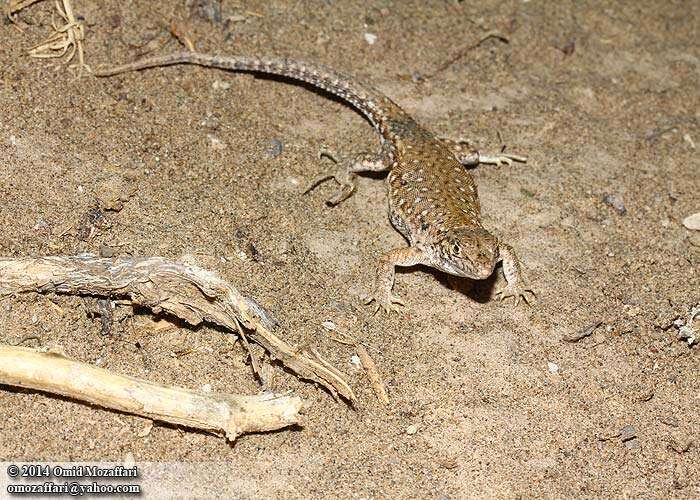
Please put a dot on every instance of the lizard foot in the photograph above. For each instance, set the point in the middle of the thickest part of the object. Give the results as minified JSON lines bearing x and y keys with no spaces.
{"x":342,"y":174}
{"x":389,"y":302}
{"x":519,"y":292}
{"x":501,"y":159}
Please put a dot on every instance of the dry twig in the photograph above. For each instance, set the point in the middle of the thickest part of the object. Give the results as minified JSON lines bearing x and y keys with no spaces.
{"x":14,"y":6}
{"x":372,"y":373}
{"x":229,"y":414}
{"x":368,"y":363}
{"x":187,"y":292}
{"x":462,"y":52}
{"x":66,"y":40}
{"x":179,"y":31}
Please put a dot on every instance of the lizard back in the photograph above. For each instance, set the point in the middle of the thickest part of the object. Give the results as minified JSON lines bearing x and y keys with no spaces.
{"x":430,"y":192}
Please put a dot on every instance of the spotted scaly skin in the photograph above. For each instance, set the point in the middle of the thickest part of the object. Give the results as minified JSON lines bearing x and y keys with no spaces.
{"x":433,"y":200}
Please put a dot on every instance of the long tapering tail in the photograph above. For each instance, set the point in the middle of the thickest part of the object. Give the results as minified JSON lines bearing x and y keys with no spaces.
{"x":372,"y":103}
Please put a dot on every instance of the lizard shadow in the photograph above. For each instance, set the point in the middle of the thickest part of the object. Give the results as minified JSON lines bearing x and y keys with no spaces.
{"x":480,"y":291}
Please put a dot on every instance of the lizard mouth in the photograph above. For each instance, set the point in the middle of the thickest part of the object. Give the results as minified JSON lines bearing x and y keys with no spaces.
{"x":483,"y":272}
{"x":467,"y":271}
{"x":455,"y":269}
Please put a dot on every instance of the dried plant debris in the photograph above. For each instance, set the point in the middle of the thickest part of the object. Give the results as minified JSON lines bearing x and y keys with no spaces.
{"x":686,"y":331}
{"x":67,"y":38}
{"x":190,"y":293}
{"x":14,"y":6}
{"x":582,"y":334}
{"x":364,"y":358}
{"x":225,"y":414}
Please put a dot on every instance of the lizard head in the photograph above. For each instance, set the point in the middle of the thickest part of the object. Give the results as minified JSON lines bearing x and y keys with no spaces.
{"x":471,"y":252}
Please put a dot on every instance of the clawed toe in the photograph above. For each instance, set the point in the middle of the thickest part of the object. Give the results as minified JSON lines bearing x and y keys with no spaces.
{"x":341,"y":174}
{"x":502,"y":159}
{"x":518,"y":293}
{"x":390,"y":303}
{"x":518,"y":158}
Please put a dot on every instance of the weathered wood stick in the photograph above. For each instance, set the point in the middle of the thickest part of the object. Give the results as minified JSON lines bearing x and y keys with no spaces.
{"x":229,"y":414}
{"x":188,"y":292}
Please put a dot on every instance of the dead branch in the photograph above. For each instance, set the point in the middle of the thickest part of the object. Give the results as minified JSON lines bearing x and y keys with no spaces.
{"x":372,"y":373}
{"x":462,"y":52}
{"x":66,"y":40}
{"x":187,"y":292}
{"x":229,"y":414}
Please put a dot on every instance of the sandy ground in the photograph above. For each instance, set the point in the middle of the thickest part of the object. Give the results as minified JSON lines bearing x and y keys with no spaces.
{"x":603,"y":99}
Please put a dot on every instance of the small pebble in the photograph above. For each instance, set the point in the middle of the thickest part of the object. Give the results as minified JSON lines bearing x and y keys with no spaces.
{"x":679,"y":443}
{"x":355,"y":361}
{"x":220,"y":85}
{"x":692,"y":222}
{"x":633,"y":444}
{"x":646,"y":395}
{"x":211,"y":122}
{"x":329,"y":325}
{"x":615,"y":201}
{"x":689,"y":140}
{"x":276,"y":148}
{"x":669,"y":420}
{"x":412,"y":429}
{"x":114,"y":21}
{"x":216,"y":143}
{"x":209,"y":10}
{"x":370,"y":38}
{"x":627,"y":433}
{"x":686,"y":331}
{"x":552,"y":367}
{"x":106,"y":251}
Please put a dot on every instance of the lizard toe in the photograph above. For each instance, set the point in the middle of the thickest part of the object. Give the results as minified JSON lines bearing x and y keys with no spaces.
{"x":517,"y":292}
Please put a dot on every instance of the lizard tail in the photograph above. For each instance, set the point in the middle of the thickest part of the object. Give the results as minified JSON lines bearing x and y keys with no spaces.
{"x":366,"y":99}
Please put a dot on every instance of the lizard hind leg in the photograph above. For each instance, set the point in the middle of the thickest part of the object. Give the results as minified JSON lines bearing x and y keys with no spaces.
{"x":345,"y":172}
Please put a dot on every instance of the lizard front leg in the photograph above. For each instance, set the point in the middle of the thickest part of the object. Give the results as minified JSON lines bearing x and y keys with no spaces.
{"x":512,"y":270}
{"x":346,"y":170}
{"x":470,"y":157}
{"x":384,"y":282}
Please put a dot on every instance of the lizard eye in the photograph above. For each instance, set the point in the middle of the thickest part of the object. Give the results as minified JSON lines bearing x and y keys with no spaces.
{"x":456,"y":249}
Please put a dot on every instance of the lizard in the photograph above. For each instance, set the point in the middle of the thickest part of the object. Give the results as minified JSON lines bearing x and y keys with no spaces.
{"x":432,"y":198}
